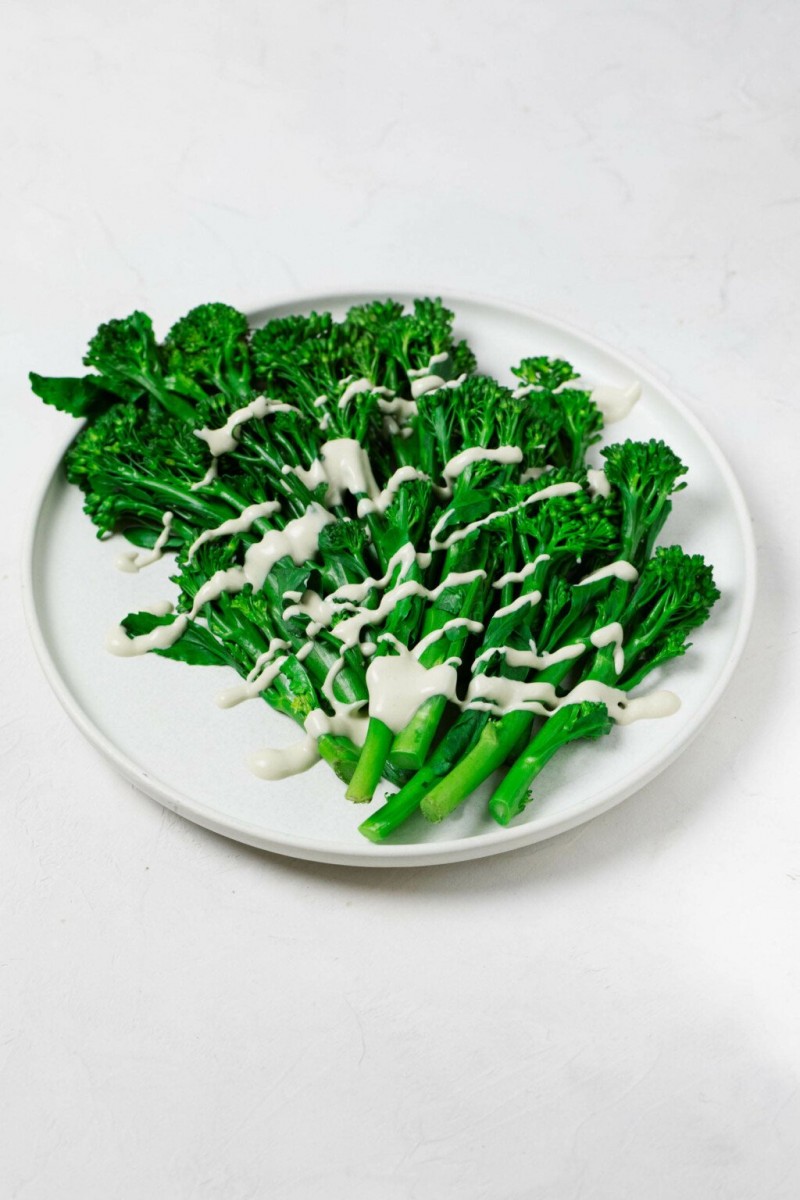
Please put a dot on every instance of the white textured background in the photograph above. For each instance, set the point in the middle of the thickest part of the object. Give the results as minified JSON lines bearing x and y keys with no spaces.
{"x":610,"y":1014}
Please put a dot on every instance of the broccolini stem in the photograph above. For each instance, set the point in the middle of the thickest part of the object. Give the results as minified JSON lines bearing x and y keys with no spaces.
{"x":410,"y":747}
{"x":340,"y":754}
{"x":399,"y":807}
{"x":513,"y":792}
{"x":371,"y":762}
{"x":489,"y":752}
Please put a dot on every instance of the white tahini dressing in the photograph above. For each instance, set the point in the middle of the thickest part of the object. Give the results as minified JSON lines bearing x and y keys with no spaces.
{"x":299,"y":540}
{"x":223,"y":440}
{"x":499,"y":696}
{"x":555,"y":489}
{"x":348,"y":630}
{"x":282,"y":762}
{"x":134,"y":560}
{"x":357,"y":387}
{"x":523,"y":601}
{"x":344,"y":465}
{"x":398,"y":684}
{"x":615,"y":403}
{"x":598,"y":483}
{"x":209,"y":477}
{"x":434,"y":361}
{"x":380,"y":502}
{"x":519,"y":576}
{"x":160,"y":638}
{"x":540,"y":662}
{"x":239,"y":524}
{"x":460,"y":462}
{"x":265,"y":669}
{"x":615,"y":570}
{"x":454,"y":623}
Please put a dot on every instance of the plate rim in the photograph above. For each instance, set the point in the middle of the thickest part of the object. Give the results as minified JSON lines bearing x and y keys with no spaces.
{"x":415,"y":854}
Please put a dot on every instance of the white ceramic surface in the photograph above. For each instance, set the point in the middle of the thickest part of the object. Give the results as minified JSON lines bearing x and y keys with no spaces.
{"x":157,"y":722}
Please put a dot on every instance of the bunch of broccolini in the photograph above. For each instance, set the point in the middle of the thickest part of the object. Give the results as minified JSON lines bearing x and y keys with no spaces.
{"x":351,"y":507}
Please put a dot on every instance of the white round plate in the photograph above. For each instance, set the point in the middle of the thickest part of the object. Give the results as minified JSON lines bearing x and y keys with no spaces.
{"x":156,"y":720}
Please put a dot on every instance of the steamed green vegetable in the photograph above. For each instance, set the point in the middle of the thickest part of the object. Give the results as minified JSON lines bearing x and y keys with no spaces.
{"x":414,"y":562}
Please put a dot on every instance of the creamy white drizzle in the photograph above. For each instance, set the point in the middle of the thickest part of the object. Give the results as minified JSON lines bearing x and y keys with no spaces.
{"x":299,"y":540}
{"x":380,"y":502}
{"x":404,"y":559}
{"x":611,"y":635}
{"x":238,"y":524}
{"x":555,"y":489}
{"x":344,"y":465}
{"x":616,"y":570}
{"x":598,"y":483}
{"x":460,"y":462}
{"x":133,"y":560}
{"x":357,"y":387}
{"x":615,"y":403}
{"x":280,"y":763}
{"x":532,"y":473}
{"x":540,"y":662}
{"x":266,"y":668}
{"x":453,"y":623}
{"x":449,"y":383}
{"x":426,"y":383}
{"x":209,"y":477}
{"x":348,"y":630}
{"x":398,"y":684}
{"x":433,"y":361}
{"x":521,"y":602}
{"x":223,"y":440}
{"x":651,"y":706}
{"x":159,"y":638}
{"x":498,"y":695}
{"x":399,"y":407}
{"x":519,"y":576}
{"x":348,"y":720}
{"x":310,"y":604}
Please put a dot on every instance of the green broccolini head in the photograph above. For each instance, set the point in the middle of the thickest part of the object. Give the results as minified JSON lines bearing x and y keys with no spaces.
{"x":545,"y":374}
{"x":314,"y":372}
{"x":371,"y":320}
{"x":479,"y":413}
{"x":342,"y":537}
{"x":580,"y":424}
{"x":342,"y":545}
{"x":210,"y":345}
{"x":646,"y":474}
{"x":134,"y":462}
{"x":673,"y":596}
{"x":125,"y":352}
{"x":571,"y":526}
{"x":407,"y":515}
{"x":133,"y":435}
{"x":412,"y":339}
{"x":285,"y":337}
{"x":675,"y":591}
{"x":462,"y":361}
